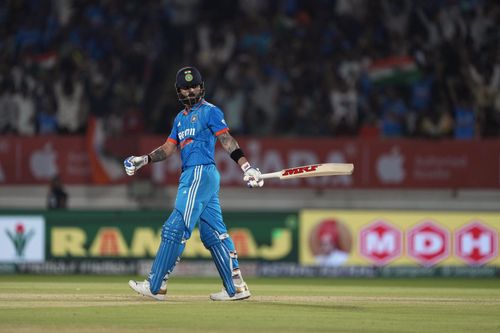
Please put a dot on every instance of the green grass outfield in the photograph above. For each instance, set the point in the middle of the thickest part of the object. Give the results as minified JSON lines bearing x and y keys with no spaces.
{"x":106,"y":304}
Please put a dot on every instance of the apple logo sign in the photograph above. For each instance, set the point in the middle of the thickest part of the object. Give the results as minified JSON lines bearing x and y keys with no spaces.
{"x":390,"y":167}
{"x":43,"y":162}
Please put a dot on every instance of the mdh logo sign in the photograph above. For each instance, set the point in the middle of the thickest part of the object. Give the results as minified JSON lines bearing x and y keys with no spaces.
{"x":381,"y":242}
{"x":476,"y":243}
{"x":428,"y":243}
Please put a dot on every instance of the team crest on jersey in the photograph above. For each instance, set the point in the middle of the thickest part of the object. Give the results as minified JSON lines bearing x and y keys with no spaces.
{"x":194,"y":118}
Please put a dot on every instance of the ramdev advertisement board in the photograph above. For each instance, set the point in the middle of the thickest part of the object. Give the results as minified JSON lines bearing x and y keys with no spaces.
{"x":398,"y":238}
{"x":256,"y":236}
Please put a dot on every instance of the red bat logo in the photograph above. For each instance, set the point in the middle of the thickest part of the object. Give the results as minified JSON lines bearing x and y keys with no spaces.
{"x":294,"y":171}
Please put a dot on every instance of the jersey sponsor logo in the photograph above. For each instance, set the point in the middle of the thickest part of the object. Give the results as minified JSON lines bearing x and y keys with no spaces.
{"x":294,"y":171}
{"x":187,"y":132}
{"x":194,"y":118}
{"x":179,"y":124}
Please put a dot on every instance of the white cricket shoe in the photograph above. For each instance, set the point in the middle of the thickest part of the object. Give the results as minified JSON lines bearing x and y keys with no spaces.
{"x":142,"y":288}
{"x":242,"y":292}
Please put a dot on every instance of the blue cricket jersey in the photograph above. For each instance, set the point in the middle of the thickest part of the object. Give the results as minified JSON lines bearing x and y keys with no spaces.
{"x":195,"y":133}
{"x":197,"y":201}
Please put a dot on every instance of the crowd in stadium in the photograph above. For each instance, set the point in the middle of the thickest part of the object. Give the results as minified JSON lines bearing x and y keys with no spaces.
{"x":344,"y":68}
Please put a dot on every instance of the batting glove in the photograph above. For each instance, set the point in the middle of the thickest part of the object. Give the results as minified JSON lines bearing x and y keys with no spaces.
{"x":252,"y":176}
{"x":134,"y":163}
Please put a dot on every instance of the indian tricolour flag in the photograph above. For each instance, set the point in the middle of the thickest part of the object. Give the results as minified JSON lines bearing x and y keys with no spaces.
{"x":397,"y":69}
{"x":46,"y":60}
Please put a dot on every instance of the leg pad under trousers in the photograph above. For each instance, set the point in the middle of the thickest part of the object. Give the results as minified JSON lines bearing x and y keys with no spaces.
{"x":171,"y":247}
{"x":222,"y":255}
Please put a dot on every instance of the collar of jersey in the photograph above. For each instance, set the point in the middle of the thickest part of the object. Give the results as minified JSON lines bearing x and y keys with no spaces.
{"x":193,"y":108}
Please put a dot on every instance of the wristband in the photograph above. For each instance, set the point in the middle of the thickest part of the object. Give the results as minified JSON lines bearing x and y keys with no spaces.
{"x":237,"y":154}
{"x":148,"y":159}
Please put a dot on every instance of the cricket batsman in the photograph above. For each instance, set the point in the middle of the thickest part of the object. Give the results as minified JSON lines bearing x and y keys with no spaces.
{"x":194,"y":133}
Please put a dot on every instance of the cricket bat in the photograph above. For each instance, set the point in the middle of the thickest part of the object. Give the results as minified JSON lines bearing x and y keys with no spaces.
{"x":313,"y":170}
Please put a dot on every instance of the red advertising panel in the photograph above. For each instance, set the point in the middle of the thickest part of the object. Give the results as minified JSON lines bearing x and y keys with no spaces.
{"x":429,"y":164}
{"x":377,"y":163}
{"x":37,"y":160}
{"x":8,"y":154}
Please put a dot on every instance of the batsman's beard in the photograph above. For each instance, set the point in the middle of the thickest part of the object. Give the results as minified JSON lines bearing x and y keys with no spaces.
{"x":191,"y":99}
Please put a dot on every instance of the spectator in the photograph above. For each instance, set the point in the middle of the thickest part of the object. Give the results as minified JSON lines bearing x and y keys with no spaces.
{"x":69,"y":96}
{"x":466,"y":121}
{"x":8,"y":108}
{"x":492,"y":120}
{"x":370,"y":127}
{"x":26,"y":108}
{"x":57,"y":198}
{"x":123,"y":53}
{"x":46,"y":115}
{"x":305,"y":122}
{"x":420,"y":102}
{"x":99,"y":93}
{"x":233,"y":101}
{"x":216,"y":47}
{"x":344,"y":104}
{"x":394,"y":114}
{"x":265,"y":95}
{"x":437,"y":122}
